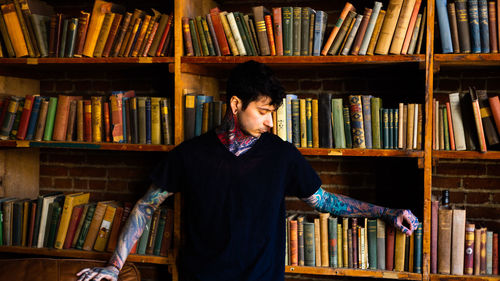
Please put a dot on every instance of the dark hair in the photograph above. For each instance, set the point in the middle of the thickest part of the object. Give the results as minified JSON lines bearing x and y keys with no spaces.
{"x":252,"y":80}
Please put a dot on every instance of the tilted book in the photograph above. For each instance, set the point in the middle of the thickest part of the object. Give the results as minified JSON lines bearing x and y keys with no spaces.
{"x":388,"y":27}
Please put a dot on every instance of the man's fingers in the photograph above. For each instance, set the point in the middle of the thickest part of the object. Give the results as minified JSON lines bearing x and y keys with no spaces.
{"x":82,"y":271}
{"x":91,"y":276}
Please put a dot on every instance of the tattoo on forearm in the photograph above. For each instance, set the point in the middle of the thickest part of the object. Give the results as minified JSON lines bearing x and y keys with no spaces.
{"x":341,"y":205}
{"x":134,"y":226}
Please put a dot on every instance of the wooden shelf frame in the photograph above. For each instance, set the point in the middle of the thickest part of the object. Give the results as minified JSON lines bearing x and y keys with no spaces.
{"x":446,"y":154}
{"x":362,"y":152}
{"x":459,"y":60}
{"x":73,"y":253}
{"x":86,"y":145}
{"x":445,"y":277}
{"x":117,"y":60}
{"x":351,"y":272}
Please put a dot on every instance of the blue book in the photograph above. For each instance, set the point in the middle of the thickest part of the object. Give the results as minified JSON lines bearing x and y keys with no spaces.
{"x":396,"y":128}
{"x":319,"y":32}
{"x":474,"y":26}
{"x":385,"y":122}
{"x":484,"y":26}
{"x":391,"y":128}
{"x":124,"y":118}
{"x":309,"y":247}
{"x":30,"y":132}
{"x":200,"y":100}
{"x":73,"y":23}
{"x":444,"y":26}
{"x":367,"y":119}
{"x":332,"y":236}
{"x":289,"y":131}
{"x":148,"y":121}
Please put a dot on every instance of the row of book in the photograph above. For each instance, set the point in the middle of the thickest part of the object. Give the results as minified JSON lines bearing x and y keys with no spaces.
{"x":201,"y":114}
{"x":363,"y":123}
{"x":459,"y":247}
{"x":466,"y":121}
{"x":300,"y":31}
{"x":32,"y":28}
{"x":468,"y":26}
{"x":351,"y":243}
{"x":125,"y":118}
{"x":61,"y":221}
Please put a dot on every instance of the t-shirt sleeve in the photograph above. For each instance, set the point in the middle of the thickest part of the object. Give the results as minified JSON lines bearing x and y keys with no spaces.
{"x":303,"y":181}
{"x":169,"y":174}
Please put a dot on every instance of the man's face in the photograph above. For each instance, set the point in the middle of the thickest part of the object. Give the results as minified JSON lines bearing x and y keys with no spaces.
{"x":257,"y":117}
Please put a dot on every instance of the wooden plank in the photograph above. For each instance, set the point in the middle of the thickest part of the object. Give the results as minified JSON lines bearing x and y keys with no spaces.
{"x":361,"y":152}
{"x":87,"y":145}
{"x":442,"y":277}
{"x":20,"y":168}
{"x":73,"y":253}
{"x":113,"y":60}
{"x":466,"y":154}
{"x":467,"y":59}
{"x":353,"y":272}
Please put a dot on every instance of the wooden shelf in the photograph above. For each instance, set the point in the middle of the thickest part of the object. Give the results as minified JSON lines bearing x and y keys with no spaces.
{"x":493,"y":155}
{"x":475,"y":60}
{"x":72,"y":253}
{"x":443,"y":277}
{"x":87,"y":145}
{"x":362,"y":152}
{"x":118,"y":60}
{"x":353,"y":272}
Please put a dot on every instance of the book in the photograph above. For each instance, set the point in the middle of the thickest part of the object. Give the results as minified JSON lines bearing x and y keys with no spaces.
{"x":492,"y":24}
{"x":444,"y":241}
{"x":487,"y":118}
{"x":388,"y":27}
{"x":70,"y":201}
{"x":14,"y":30}
{"x":84,"y":228}
{"x":320,"y":20}
{"x":370,"y":28}
{"x":342,"y":33}
{"x":323,"y":221}
{"x":495,"y":111}
{"x":361,"y":31}
{"x":399,"y":251}
{"x":357,"y":126}
{"x":484,"y":26}
{"x":402,"y":27}
{"x":444,"y":27}
{"x":376,"y":33}
{"x":469,"y":249}
{"x":93,"y":228}
{"x":417,"y":260}
{"x":412,"y":30}
{"x":348,"y":7}
{"x":458,"y":127}
{"x":453,"y":27}
{"x":100,"y":9}
{"x":473,"y":10}
{"x":259,"y":12}
{"x":76,"y":217}
{"x":332,"y":242}
{"x":458,"y":242}
{"x":105,"y":228}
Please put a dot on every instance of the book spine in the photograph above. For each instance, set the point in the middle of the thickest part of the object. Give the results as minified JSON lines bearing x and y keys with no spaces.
{"x":323,"y":221}
{"x":70,"y":46}
{"x":376,"y":33}
{"x":487,"y":118}
{"x":388,"y":27}
{"x":103,"y":34}
{"x":304,"y":27}
{"x":463,"y":26}
{"x":495,"y":254}
{"x":453,"y":27}
{"x":381,"y":255}
{"x":319,"y":31}
{"x":484,"y":26}
{"x":303,"y":123}
{"x":337,"y":121}
{"x":489,"y":253}
{"x":477,"y":251}
{"x":469,"y":249}
{"x":212,"y":34}
{"x":372,"y":244}
{"x":347,"y":128}
{"x":361,"y":31}
{"x":412,"y":30}
{"x":201,"y":34}
{"x":367,"y":119}
{"x":370,"y":28}
{"x":342,"y":33}
{"x":309,"y":122}
{"x":219,"y":31}
{"x":444,"y":241}
{"x":450,"y":126}
{"x":270,"y":35}
{"x":332,"y":242}
{"x":348,"y":7}
{"x":351,"y":35}
{"x":64,"y":39}
{"x":474,"y":25}
{"x":297,"y":31}
{"x":30,"y":132}
{"x":482,"y":264}
{"x":493,"y":28}
{"x":444,"y":27}
{"x":83,"y":21}
{"x":458,"y":242}
{"x":357,"y":122}
{"x":25,"y":117}
{"x":417,"y":258}
{"x":278,"y":31}
{"x":10,"y":115}
{"x":389,"y":248}
{"x":261,"y":30}
{"x":413,"y":43}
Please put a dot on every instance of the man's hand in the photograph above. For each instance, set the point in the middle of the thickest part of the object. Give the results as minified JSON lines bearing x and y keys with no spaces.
{"x":396,"y":218}
{"x":98,"y":273}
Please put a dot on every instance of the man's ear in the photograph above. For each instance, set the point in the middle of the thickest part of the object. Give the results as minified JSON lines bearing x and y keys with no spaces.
{"x":235,"y":104}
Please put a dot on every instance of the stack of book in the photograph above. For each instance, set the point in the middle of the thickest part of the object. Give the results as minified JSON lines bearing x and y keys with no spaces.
{"x":351,"y":243}
{"x":201,"y":114}
{"x":468,"y":26}
{"x":466,"y":121}
{"x":363,"y":123}
{"x":300,"y":31}
{"x":69,"y":221}
{"x":32,"y":28}
{"x":125,"y":118}
{"x":459,"y":247}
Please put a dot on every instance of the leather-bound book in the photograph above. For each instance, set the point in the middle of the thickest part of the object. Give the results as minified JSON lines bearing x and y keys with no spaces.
{"x":402,"y":27}
{"x":482,"y":257}
{"x":477,"y":251}
{"x":357,"y":126}
{"x":453,"y":27}
{"x":296,"y":23}
{"x":14,"y":30}
{"x":25,"y":117}
{"x":495,"y":254}
{"x":372,"y":243}
{"x":399,"y":251}
{"x":293,"y":243}
{"x":490,"y":131}
{"x":141,"y":34}
{"x":489,"y":252}
{"x":188,"y":43}
{"x":95,"y":223}
{"x":323,"y":219}
{"x":107,"y":125}
{"x":166,"y":242}
{"x":348,"y":7}
{"x":270,"y":35}
{"x":469,"y":249}
{"x":444,"y":241}
{"x":350,"y":255}
{"x":478,"y":119}
{"x":484,"y":25}
{"x":127,"y":41}
{"x":361,"y":31}
{"x":25,"y":29}
{"x":70,"y":42}
{"x":342,"y":33}
{"x":463,"y":26}
{"x":376,"y":33}
{"x":164,"y":38}
{"x":309,"y":247}
{"x":115,"y":230}
{"x":103,"y":34}
{"x":97,"y":120}
{"x":260,"y":24}
{"x":81,"y":34}
{"x":388,"y":27}
{"x":76,"y":216}
{"x":332,"y":242}
{"x":71,"y":120}
{"x":120,"y":36}
{"x":105,"y":227}
{"x":115,"y":25}
{"x":317,"y":241}
{"x":278,"y":31}
{"x":417,"y":260}
{"x":87,"y":120}
{"x":457,"y":243}
{"x":354,"y":227}
{"x":100,"y":9}
{"x":79,"y":121}
{"x":495,"y":110}
{"x":410,"y":32}
{"x":471,"y":140}
{"x":381,"y":226}
{"x":492,"y":20}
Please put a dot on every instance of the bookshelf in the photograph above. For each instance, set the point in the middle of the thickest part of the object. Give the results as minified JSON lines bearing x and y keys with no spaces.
{"x":353,"y":272}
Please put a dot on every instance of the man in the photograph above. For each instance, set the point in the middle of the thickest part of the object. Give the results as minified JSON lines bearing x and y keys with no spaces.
{"x":234,"y":181}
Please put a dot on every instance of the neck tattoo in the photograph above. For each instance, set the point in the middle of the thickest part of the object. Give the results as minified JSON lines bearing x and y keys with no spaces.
{"x":233,"y":138}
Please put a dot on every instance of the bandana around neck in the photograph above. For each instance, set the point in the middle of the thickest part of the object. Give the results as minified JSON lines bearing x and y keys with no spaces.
{"x":231,"y":136}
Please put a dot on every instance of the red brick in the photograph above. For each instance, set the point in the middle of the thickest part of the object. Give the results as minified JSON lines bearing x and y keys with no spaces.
{"x":82,"y":184}
{"x":46,"y":86}
{"x":309,"y":85}
{"x":448,"y":84}
{"x":290,"y":86}
{"x":477,"y":198}
{"x":457,"y":197}
{"x":446,"y":182}
{"x":461,"y":169}
{"x":332,"y":85}
{"x":129,"y":173}
{"x":53,"y":170}
{"x":325,"y":166}
{"x":342,"y":179}
{"x":46,"y":182}
{"x":297,"y":204}
{"x":63,"y":183}
{"x":66,"y":158}
{"x":87,"y":172}
{"x":97,"y":184}
{"x":64,"y":86}
{"x":101,"y":85}
{"x":483,"y":212}
{"x":117,"y":185}
{"x":83,"y":85}
{"x":481,"y":183}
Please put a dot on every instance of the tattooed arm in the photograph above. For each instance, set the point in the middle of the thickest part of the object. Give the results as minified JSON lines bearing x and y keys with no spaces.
{"x":142,"y":212}
{"x":341,"y":205}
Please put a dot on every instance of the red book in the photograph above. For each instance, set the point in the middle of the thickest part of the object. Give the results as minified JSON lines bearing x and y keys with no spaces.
{"x":450,"y":126}
{"x":32,"y":223}
{"x":294,"y":243}
{"x":73,"y":223}
{"x":150,"y":39}
{"x":495,"y":253}
{"x":87,"y":120}
{"x":434,"y":235}
{"x":411,"y":26}
{"x":495,"y":110}
{"x":278,"y":31}
{"x":115,"y":229}
{"x":106,"y":122}
{"x":164,"y":35}
{"x":166,"y":242}
{"x":389,"y":247}
{"x":270,"y":36}
{"x":25,"y":117}
{"x":219,"y":31}
{"x":354,"y":226}
{"x":134,"y":248}
{"x":469,"y":249}
{"x":188,"y":41}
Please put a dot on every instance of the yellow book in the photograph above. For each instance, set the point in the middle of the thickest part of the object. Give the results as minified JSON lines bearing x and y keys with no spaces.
{"x":136,"y":15}
{"x":323,"y":219}
{"x":26,"y":206}
{"x":140,"y":37}
{"x":79,"y":121}
{"x":376,"y":32}
{"x":70,"y":201}
{"x":130,"y":42}
{"x":317,"y":241}
{"x":96,"y":19}
{"x":339,"y":245}
{"x":315,"y":123}
{"x":410,"y":126}
{"x":155,"y":121}
{"x":410,"y":258}
{"x":388,"y":27}
{"x":96,"y":119}
{"x":399,"y":254}
{"x":204,"y":119}
{"x":303,"y":123}
{"x":345,"y":226}
{"x":103,"y":34}
{"x":401,"y":27}
{"x":105,"y":229}
{"x":14,"y":30}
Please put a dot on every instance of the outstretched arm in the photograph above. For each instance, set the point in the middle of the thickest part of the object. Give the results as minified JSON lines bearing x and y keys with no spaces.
{"x":132,"y":231}
{"x":341,"y":205}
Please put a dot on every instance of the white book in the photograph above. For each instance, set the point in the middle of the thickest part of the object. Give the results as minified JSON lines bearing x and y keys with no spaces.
{"x":236,"y":34}
{"x":281,"y":120}
{"x":289,"y":127}
{"x":401,"y":125}
{"x":415,"y":127}
{"x":369,"y":29}
{"x":43,"y":219}
{"x":456,"y":119}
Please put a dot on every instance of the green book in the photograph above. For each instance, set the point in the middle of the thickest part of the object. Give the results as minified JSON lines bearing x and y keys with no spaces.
{"x":347,"y":128}
{"x":48,"y":224}
{"x":201,"y":34}
{"x":395,"y":128}
{"x":248,"y":34}
{"x":333,"y":241}
{"x":296,"y":122}
{"x":297,"y":23}
{"x":36,"y":227}
{"x":287,"y":30}
{"x":159,"y":232}
{"x":143,"y":241}
{"x":15,"y":126}
{"x":64,"y":36}
{"x":49,"y":122}
{"x":309,"y":248}
{"x":56,"y":214}
{"x":339,"y":133}
{"x":375,"y":111}
{"x":194,"y":37}
{"x":305,"y":28}
{"x":446,"y":129}
{"x":372,"y":243}
{"x":206,"y":32}
{"x":85,"y":227}
{"x":417,"y":252}
{"x":243,"y":34}
{"x":17,"y":221}
{"x":309,"y":122}
{"x":391,"y":128}
{"x":385,"y":122}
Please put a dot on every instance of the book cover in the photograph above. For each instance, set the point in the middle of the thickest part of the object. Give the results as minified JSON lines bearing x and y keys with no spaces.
{"x":478,"y":119}
{"x":489,"y":252}
{"x":412,"y":31}
{"x":98,"y":13}
{"x":347,"y":128}
{"x":370,"y":28}
{"x":388,"y":27}
{"x":469,"y":249}
{"x":348,"y":7}
{"x":477,"y":251}
{"x":337,"y":123}
{"x":219,"y":31}
{"x":304,"y":27}
{"x":25,"y":117}
{"x":14,"y":30}
{"x":399,"y":250}
{"x":342,"y":33}
{"x":320,"y":21}
{"x":458,"y":127}
{"x":495,"y":111}
{"x":417,"y":253}
{"x":474,"y":25}
{"x":309,"y":122}
{"x":332,"y":242}
{"x":259,"y":12}
{"x":487,"y":118}
{"x":297,"y":31}
{"x":120,"y":36}
{"x":76,"y":216}
{"x":323,"y":224}
{"x":303,"y":123}
{"x":70,"y":201}
{"x":351,"y":35}
{"x":450,"y":126}
{"x":278,"y":30}
{"x":357,"y":126}
{"x":458,"y":242}
{"x":376,"y":33}
{"x":484,"y":26}
{"x":402,"y":26}
{"x":493,"y":28}
{"x":444,"y":241}
{"x":361,"y":31}
{"x":453,"y":27}
{"x":444,"y":27}
{"x":95,"y":223}
{"x":463,"y":26}
{"x":372,"y":244}
{"x":115,"y":229}
{"x":309,"y":244}
{"x":105,"y":228}
{"x":166,"y":242}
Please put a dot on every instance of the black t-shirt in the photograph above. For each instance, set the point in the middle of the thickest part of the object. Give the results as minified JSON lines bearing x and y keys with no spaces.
{"x":234,"y":206}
